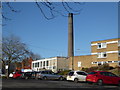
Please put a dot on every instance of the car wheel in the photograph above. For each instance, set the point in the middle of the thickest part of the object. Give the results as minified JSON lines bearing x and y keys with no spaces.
{"x":100,"y":82}
{"x":44,"y":78}
{"x":76,"y":80}
{"x":26,"y":77}
{"x":119,"y":83}
{"x":61,"y":78}
{"x":36,"y":78}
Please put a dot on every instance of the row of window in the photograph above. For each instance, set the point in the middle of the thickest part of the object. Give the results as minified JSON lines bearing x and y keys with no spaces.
{"x":104,"y":54}
{"x":40,"y":64}
{"x":105,"y":62}
{"x":104,"y":45}
{"x":101,"y":45}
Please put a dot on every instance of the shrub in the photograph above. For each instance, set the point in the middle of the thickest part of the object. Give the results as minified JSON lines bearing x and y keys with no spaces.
{"x":104,"y":67}
{"x":116,"y":71}
{"x":64,"y":72}
{"x":89,"y":69}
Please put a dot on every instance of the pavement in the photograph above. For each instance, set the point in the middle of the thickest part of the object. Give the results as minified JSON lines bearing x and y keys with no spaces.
{"x":13,"y":84}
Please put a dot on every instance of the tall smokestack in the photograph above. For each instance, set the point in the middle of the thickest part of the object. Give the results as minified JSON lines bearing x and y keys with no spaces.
{"x":70,"y":35}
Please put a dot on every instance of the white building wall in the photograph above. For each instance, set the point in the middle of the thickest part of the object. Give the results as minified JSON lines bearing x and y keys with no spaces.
{"x":53,"y":64}
{"x":40,"y":67}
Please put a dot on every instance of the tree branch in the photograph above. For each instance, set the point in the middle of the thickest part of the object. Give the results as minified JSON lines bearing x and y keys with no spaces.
{"x":11,"y":8}
{"x":48,"y":18}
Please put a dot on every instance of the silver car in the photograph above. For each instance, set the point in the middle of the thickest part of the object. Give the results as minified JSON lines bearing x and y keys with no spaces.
{"x":44,"y":75}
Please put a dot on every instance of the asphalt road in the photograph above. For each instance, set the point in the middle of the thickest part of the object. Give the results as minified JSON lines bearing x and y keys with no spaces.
{"x":51,"y":84}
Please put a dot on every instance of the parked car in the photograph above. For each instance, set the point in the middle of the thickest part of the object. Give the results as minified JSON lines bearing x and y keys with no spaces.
{"x":102,"y":77}
{"x":76,"y":76}
{"x":11,"y":75}
{"x":44,"y":75}
{"x":34,"y":74}
{"x":17,"y":74}
{"x":2,"y":75}
{"x":26,"y":75}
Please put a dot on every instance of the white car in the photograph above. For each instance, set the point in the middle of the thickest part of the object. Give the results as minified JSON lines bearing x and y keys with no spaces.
{"x":76,"y":76}
{"x":11,"y":75}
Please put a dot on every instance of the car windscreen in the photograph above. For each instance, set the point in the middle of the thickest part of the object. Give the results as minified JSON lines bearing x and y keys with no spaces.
{"x":81,"y":73}
{"x":92,"y":73}
{"x":70,"y":73}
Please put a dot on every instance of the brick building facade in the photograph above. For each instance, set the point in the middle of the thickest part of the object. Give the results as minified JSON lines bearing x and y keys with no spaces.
{"x":25,"y":64}
{"x":103,"y":51}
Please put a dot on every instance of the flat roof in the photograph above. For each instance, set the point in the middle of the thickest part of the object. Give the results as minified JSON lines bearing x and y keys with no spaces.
{"x":106,"y":40}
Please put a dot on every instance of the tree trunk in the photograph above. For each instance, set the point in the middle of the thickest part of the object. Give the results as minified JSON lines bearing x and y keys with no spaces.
{"x":8,"y":70}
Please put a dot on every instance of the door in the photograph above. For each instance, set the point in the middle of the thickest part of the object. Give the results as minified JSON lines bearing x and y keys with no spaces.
{"x":81,"y":76}
{"x":70,"y":76}
{"x":114,"y":78}
{"x":105,"y":77}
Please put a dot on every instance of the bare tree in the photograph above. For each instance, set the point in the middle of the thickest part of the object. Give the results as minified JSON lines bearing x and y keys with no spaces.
{"x":34,"y":56}
{"x":50,"y":9}
{"x":13,"y":50}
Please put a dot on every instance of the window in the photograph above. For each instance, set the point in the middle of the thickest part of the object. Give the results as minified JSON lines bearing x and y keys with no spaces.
{"x":81,"y":73}
{"x":43,"y":72}
{"x":41,"y":64}
{"x":108,"y":74}
{"x":109,"y":61}
{"x":50,"y":72}
{"x":102,"y":55}
{"x":54,"y":67}
{"x":94,"y":62}
{"x":71,"y":73}
{"x":102,"y":45}
{"x":99,"y":64}
{"x":44,"y":63}
{"x":115,"y":61}
{"x":33,"y":65}
{"x":38,"y":64}
{"x":99,"y":55}
{"x":119,"y":43}
{"x":118,"y":63}
{"x":105,"y":62}
{"x":79,"y":64}
{"x":119,"y":53}
{"x":112,"y":75}
{"x":99,"y":45}
{"x":47,"y":63}
{"x":104,"y":73}
{"x":92,"y":73}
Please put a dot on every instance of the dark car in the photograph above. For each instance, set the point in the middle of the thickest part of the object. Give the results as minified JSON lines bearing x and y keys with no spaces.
{"x":103,"y":77}
{"x":26,"y":75}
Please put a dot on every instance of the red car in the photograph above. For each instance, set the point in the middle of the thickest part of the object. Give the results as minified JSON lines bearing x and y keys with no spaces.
{"x":102,"y":77}
{"x":17,"y":74}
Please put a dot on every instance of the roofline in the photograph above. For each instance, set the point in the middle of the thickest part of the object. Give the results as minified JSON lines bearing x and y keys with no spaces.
{"x":105,"y":39}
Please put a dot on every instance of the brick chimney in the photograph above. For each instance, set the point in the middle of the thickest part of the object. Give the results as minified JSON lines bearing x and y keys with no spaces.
{"x":70,"y":35}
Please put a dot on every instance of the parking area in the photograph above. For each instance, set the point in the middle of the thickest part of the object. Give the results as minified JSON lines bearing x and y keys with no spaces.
{"x":32,"y":83}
